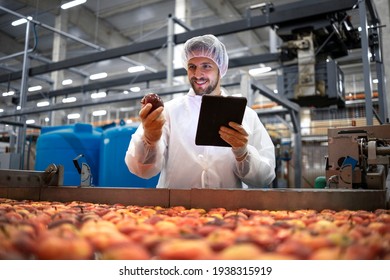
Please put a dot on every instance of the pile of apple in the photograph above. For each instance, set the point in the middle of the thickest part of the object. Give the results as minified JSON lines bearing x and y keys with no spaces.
{"x":80,"y":230}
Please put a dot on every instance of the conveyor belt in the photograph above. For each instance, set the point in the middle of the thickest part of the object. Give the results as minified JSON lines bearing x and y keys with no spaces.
{"x":259,"y":199}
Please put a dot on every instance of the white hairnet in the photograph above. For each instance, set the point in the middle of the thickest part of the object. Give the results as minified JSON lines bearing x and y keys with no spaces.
{"x":206,"y":46}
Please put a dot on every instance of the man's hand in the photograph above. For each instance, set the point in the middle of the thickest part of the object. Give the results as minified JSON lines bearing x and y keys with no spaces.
{"x":237,"y":137}
{"x":152,"y":123}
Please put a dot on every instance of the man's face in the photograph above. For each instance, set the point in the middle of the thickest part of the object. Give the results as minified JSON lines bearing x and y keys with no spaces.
{"x":203,"y":75}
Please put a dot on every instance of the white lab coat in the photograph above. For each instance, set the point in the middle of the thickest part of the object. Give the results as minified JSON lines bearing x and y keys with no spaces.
{"x":185,"y":165}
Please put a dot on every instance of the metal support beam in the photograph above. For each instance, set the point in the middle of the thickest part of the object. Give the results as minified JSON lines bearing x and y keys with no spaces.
{"x":376,"y":40}
{"x":3,"y":58}
{"x":366,"y":61}
{"x":23,"y":98}
{"x":182,"y":23}
{"x":293,"y":109}
{"x":170,"y":50}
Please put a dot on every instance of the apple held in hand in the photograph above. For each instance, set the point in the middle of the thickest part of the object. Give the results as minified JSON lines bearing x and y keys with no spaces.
{"x":153,"y":99}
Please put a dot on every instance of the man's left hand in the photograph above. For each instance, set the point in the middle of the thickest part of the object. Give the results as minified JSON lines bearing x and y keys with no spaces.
{"x":237,"y":137}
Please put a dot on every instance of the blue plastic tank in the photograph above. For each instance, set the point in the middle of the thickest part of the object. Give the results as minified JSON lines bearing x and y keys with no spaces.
{"x":62,"y":144}
{"x":113,"y":169}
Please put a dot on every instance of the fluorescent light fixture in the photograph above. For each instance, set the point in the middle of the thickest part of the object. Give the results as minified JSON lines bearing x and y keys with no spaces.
{"x":135,"y":89}
{"x":99,"y":113}
{"x":69,"y":99}
{"x":67,"y":82}
{"x":73,"y":116}
{"x":47,"y":119}
{"x":375,"y":81}
{"x":98,"y":76}
{"x":21,"y":21}
{"x":1,"y":110}
{"x":43,"y":104}
{"x":72,"y":4}
{"x":135,"y":69}
{"x":34,"y":88}
{"x":126,"y":109}
{"x":125,"y":92}
{"x":18,"y":107}
{"x":99,"y":94}
{"x":9,"y":93}
{"x":259,"y":71}
{"x":30,"y":121}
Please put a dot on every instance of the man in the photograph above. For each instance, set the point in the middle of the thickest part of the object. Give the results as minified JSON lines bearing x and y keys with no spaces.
{"x":165,"y":142}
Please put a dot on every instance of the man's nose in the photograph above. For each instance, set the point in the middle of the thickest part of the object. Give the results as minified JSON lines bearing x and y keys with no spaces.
{"x":198,"y":73}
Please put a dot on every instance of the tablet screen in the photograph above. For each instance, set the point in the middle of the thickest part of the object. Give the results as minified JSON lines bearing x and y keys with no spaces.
{"x":217,"y":111}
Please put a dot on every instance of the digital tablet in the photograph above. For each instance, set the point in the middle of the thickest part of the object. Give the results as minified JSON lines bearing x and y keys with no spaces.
{"x":217,"y":111}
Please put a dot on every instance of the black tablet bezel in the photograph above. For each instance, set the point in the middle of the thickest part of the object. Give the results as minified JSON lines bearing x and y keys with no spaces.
{"x":217,"y":111}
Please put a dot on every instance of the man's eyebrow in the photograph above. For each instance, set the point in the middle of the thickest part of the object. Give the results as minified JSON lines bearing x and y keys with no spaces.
{"x":202,"y":63}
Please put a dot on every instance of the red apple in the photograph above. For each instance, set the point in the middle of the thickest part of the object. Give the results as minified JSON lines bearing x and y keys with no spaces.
{"x":184,"y":249}
{"x":242,"y":251}
{"x":125,"y":251}
{"x":63,"y":242}
{"x":153,"y":99}
{"x":57,"y":248}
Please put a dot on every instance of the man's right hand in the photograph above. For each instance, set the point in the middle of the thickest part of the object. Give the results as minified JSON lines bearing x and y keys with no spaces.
{"x":152,"y":123}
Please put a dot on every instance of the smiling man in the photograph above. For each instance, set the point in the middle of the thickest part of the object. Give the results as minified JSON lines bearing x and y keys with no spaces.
{"x":165,"y":141}
{"x":203,"y":75}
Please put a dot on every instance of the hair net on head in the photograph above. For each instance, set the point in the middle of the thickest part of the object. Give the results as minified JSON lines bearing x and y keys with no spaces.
{"x":206,"y":46}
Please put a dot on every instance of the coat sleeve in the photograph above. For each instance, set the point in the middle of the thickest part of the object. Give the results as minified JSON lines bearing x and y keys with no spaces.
{"x":142,"y":159}
{"x":258,"y":168}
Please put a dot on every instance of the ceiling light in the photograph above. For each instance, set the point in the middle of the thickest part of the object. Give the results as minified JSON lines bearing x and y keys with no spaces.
{"x":375,"y":81}
{"x":73,"y":116}
{"x":47,"y":119}
{"x":135,"y":69}
{"x":34,"y":88}
{"x":67,"y":82}
{"x":125,"y":92}
{"x":99,"y":94}
{"x":9,"y":93}
{"x":259,"y":71}
{"x":43,"y":104}
{"x":71,"y":4}
{"x":1,"y":110}
{"x":99,"y":113}
{"x":30,"y":121}
{"x":98,"y":76}
{"x":69,"y":99}
{"x":21,"y":21}
{"x":126,"y":109}
{"x":135,"y":89}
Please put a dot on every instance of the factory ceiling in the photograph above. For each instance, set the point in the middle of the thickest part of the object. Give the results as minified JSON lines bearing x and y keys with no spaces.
{"x":112,"y":36}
